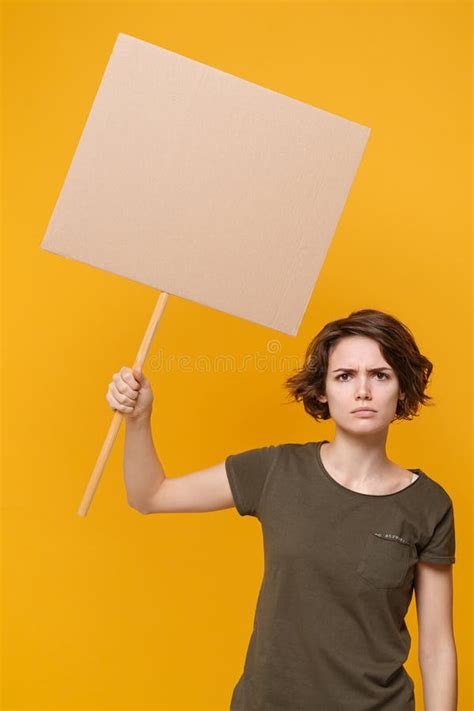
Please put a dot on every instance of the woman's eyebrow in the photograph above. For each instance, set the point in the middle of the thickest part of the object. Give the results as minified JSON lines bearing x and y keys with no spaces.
{"x":369,"y":370}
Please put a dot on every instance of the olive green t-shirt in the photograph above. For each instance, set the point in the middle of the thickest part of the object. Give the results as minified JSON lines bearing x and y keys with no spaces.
{"x":329,"y":631}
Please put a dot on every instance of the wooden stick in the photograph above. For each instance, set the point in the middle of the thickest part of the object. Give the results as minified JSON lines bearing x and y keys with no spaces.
{"x":118,"y":416}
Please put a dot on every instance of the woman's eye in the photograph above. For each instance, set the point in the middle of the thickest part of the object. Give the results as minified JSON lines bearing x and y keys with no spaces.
{"x":385,"y":376}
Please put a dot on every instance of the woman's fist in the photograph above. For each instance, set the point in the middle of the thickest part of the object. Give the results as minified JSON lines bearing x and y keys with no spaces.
{"x":130,"y":393}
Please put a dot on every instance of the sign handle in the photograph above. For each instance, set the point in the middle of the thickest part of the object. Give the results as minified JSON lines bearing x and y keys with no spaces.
{"x":118,"y":416}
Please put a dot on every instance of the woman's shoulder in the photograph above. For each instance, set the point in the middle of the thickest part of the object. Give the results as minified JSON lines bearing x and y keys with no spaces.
{"x":438,"y":488}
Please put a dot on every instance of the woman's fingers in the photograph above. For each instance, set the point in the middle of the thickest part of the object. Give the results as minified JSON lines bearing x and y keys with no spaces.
{"x":124,"y":388}
{"x":121,"y":397}
{"x":115,"y":405}
{"x":127,"y":376}
{"x":129,"y":396}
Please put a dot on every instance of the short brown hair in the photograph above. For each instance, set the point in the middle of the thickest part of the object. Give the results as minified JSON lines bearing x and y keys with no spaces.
{"x":397,"y":346}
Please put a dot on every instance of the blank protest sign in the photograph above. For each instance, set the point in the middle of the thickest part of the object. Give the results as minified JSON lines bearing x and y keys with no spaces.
{"x":205,"y":186}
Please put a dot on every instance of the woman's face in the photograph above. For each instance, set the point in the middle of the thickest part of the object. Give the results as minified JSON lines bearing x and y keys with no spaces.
{"x":353,"y":386}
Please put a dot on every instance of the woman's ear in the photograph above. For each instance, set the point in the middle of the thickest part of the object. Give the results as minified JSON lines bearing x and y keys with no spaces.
{"x":322,"y":398}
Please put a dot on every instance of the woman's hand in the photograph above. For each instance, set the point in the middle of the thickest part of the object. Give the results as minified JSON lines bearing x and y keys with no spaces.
{"x":130,"y":393}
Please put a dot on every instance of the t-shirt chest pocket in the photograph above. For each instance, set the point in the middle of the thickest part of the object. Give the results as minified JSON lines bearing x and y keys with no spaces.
{"x":385,"y":559}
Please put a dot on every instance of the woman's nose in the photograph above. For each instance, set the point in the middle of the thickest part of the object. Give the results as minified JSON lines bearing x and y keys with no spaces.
{"x":362,"y":389}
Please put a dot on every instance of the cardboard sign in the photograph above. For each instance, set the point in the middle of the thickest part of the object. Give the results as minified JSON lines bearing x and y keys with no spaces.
{"x":205,"y":186}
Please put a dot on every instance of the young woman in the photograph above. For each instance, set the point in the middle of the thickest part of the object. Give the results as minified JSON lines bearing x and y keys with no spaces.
{"x":348,"y":533}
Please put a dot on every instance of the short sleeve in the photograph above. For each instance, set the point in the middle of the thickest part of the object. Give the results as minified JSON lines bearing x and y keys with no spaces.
{"x":441,"y":547}
{"x":247,"y":473}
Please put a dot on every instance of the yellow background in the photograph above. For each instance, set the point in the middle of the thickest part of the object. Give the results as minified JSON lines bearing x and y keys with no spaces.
{"x":122,"y":611}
